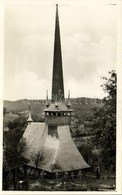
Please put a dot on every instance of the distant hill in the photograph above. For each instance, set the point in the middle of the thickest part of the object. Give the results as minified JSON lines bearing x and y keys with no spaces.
{"x":15,"y":106}
{"x":80,"y":105}
{"x":22,"y":105}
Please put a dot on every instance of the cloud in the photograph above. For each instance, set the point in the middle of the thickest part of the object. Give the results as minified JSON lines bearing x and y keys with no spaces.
{"x":84,"y":88}
{"x":88,"y":39}
{"x":91,"y":58}
{"x":33,"y":52}
{"x":27,"y":85}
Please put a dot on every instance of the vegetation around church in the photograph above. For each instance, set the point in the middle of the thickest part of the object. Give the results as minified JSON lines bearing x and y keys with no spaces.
{"x":104,"y":124}
{"x":93,"y":129}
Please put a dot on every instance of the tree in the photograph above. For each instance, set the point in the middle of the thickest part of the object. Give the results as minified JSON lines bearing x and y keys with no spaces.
{"x":22,"y":145}
{"x":104,"y":123}
{"x":20,"y":123}
{"x":4,"y":111}
{"x":12,"y":160}
{"x":37,"y":158}
{"x":86,"y":150}
{"x":13,"y":147}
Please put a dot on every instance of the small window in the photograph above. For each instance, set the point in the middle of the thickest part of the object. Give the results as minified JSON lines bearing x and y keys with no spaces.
{"x":52,"y":131}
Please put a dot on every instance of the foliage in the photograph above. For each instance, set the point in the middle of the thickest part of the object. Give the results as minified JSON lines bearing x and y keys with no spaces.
{"x":86,"y":151}
{"x":37,"y":118}
{"x":104,"y":123}
{"x":4,"y":111}
{"x":22,"y":145}
{"x":20,"y":123}
{"x":56,"y":166}
{"x":14,"y":145}
{"x":37,"y":158}
{"x":13,"y":137}
{"x":12,"y":158}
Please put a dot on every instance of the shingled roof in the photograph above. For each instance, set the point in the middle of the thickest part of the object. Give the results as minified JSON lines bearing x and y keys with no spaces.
{"x":59,"y":154}
{"x":61,"y":106}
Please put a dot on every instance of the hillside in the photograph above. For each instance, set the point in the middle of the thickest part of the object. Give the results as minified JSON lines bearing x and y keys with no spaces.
{"x":38,"y":106}
{"x":22,"y":105}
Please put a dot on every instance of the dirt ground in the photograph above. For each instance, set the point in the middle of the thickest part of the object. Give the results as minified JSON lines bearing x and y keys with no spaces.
{"x":89,"y":182}
{"x":85,"y":184}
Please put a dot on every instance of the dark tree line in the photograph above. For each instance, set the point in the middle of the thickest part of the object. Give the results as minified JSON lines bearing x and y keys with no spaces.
{"x":13,"y":147}
{"x":104,"y":123}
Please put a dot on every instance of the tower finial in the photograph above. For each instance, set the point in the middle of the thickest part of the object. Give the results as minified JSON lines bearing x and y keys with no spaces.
{"x":69,"y":104}
{"x":47,"y":103}
{"x":29,"y":115}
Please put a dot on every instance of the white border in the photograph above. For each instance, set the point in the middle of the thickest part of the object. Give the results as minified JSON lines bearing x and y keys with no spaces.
{"x":119,"y":89}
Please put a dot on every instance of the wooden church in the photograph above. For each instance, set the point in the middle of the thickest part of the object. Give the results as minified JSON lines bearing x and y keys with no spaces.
{"x":51,"y":142}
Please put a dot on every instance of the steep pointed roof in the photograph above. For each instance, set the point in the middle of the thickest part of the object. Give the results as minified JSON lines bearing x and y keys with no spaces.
{"x":57,"y":80}
{"x":59,"y":154}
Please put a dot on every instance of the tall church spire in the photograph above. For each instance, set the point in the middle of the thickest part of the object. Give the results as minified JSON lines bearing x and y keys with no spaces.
{"x":57,"y":81}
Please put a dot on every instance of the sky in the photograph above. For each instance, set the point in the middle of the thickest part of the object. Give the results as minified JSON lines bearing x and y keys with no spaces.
{"x":88,"y":32}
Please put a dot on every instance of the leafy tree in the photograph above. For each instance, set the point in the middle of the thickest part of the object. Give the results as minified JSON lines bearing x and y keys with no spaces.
{"x":20,"y":123}
{"x":4,"y":111}
{"x":86,"y":151}
{"x":22,"y":145}
{"x":12,"y":159}
{"x":104,"y":123}
{"x":13,"y":147}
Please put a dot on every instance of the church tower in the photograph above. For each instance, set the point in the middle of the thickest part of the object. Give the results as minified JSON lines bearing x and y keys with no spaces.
{"x":52,"y":139}
{"x":58,"y":113}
